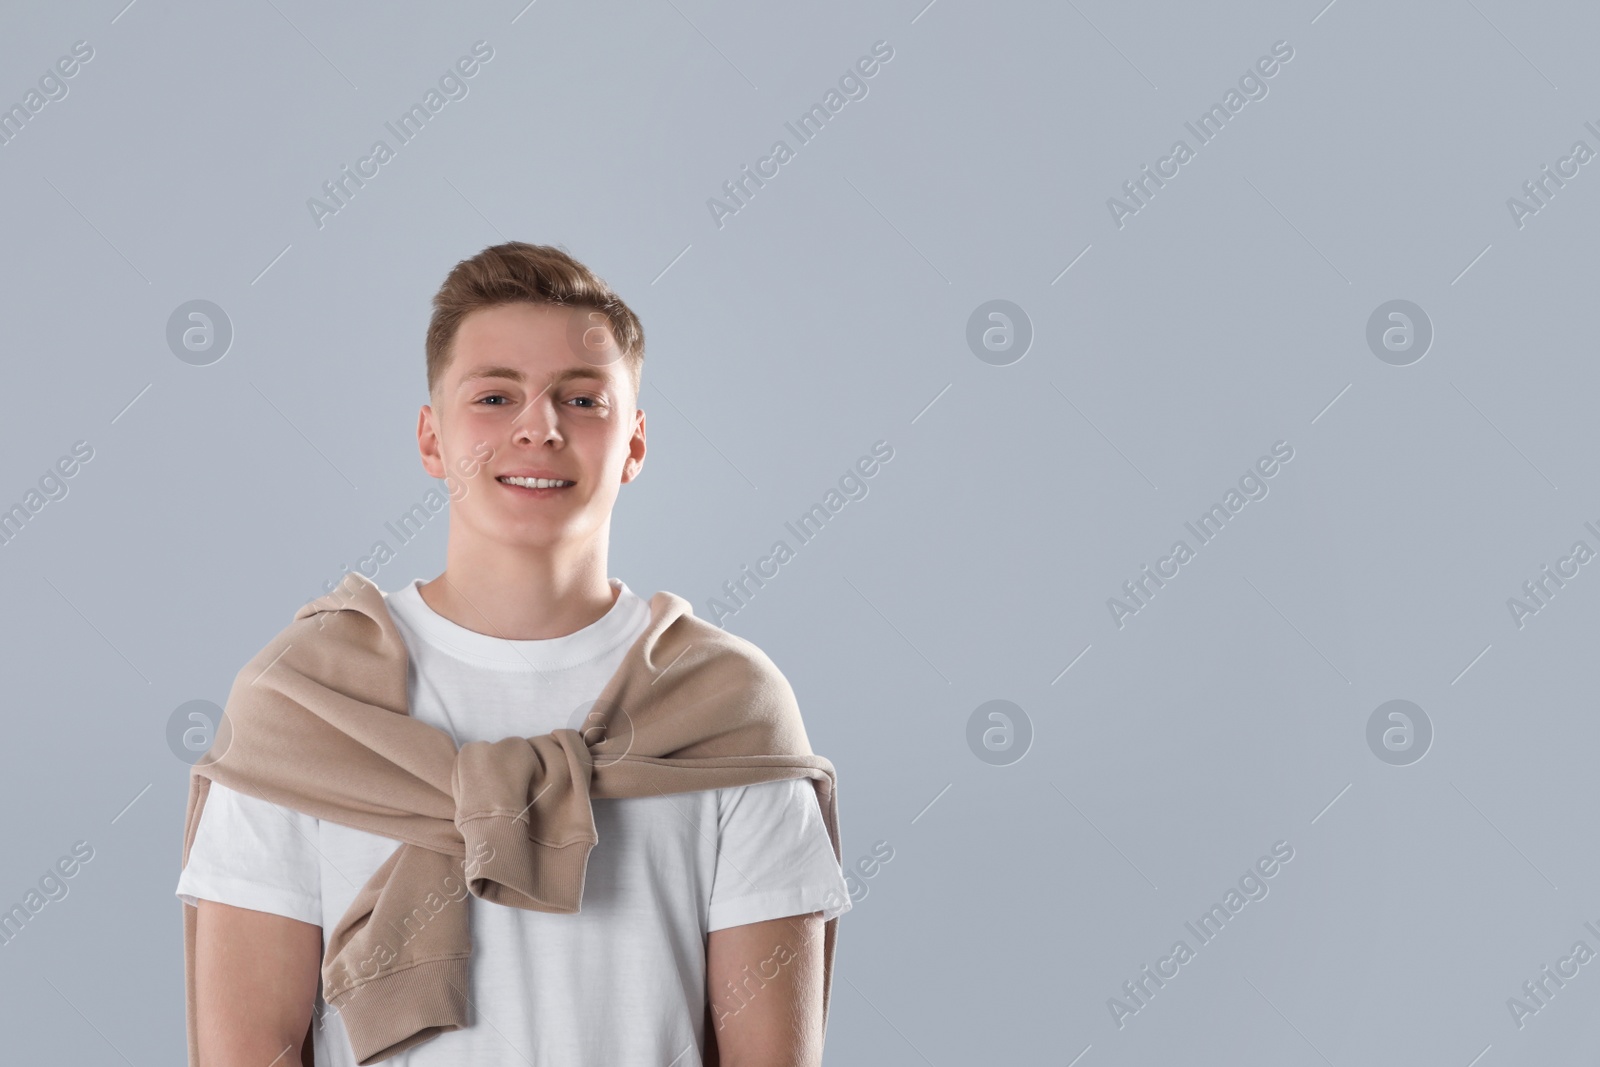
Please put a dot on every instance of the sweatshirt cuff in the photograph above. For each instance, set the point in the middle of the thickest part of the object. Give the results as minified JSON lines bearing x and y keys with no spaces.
{"x":395,"y":1011}
{"x":521,"y":873}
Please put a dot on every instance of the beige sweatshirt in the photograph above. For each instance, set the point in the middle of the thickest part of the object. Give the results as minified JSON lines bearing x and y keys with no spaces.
{"x":318,"y":722}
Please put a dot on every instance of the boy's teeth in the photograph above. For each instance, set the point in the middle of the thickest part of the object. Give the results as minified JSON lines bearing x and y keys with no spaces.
{"x":535,"y":483}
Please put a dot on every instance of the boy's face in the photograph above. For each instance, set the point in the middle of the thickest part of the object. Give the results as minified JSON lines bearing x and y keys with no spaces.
{"x":541,"y":390}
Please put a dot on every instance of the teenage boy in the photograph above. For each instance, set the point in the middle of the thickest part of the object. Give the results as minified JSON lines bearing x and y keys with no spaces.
{"x":533,"y":377}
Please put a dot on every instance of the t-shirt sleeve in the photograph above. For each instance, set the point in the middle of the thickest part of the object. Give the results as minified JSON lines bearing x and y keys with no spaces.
{"x":254,"y":854}
{"x":774,"y":856}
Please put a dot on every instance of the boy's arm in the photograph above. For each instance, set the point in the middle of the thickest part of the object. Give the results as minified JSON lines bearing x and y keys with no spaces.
{"x":765,"y":988}
{"x":255,"y":985}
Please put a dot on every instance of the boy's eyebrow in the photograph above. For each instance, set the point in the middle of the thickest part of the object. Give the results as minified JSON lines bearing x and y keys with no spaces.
{"x":512,"y":373}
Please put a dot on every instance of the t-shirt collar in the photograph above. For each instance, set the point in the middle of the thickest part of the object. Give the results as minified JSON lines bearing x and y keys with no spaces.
{"x":618,"y":624}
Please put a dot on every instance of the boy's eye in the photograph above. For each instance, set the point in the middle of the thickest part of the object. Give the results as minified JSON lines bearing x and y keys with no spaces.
{"x":496,"y":396}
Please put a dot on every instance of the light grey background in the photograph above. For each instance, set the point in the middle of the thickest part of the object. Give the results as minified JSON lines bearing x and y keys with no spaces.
{"x":830,"y":313}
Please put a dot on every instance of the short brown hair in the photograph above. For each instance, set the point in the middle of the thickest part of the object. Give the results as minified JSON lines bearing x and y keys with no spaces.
{"x":518,"y":272}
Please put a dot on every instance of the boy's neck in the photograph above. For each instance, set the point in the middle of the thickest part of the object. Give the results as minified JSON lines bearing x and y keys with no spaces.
{"x":523,"y":597}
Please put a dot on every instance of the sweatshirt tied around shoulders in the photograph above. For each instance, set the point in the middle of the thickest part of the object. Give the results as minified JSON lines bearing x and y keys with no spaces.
{"x":318,"y":721}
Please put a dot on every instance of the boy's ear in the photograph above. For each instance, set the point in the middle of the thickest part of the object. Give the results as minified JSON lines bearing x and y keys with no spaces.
{"x":428,"y":443}
{"x":636,"y":456}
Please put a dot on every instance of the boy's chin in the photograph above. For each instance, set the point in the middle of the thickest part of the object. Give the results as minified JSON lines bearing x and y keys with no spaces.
{"x":537,"y":533}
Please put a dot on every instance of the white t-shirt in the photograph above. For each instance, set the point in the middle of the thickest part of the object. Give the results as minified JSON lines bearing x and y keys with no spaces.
{"x":623,"y":981}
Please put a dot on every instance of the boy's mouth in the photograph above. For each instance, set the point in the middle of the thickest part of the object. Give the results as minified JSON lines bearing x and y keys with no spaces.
{"x":535,"y":486}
